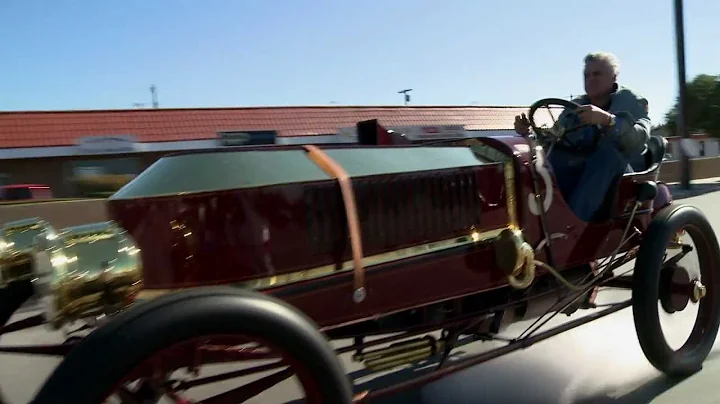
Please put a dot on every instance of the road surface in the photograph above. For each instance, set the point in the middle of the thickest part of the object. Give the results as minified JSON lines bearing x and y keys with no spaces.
{"x":600,"y":362}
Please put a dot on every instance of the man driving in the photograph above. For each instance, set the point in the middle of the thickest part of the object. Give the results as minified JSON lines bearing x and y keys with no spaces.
{"x":617,"y":120}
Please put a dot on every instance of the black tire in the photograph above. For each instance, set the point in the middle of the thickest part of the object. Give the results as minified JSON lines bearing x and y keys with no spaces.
{"x":646,"y":283}
{"x":112,"y":351}
{"x":12,"y":297}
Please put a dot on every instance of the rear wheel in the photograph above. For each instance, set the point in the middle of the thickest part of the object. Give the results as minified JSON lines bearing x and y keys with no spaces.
{"x":667,"y":284}
{"x":179,"y":348}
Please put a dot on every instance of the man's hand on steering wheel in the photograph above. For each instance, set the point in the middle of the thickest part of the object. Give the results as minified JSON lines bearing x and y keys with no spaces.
{"x":592,"y":115}
{"x":522,"y":125}
{"x":558,"y":135}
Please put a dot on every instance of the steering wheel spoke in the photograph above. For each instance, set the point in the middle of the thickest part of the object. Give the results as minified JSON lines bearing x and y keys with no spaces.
{"x":551,"y":115}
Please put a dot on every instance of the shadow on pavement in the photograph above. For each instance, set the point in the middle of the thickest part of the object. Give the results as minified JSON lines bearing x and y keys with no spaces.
{"x":696,"y":189}
{"x":643,"y":394}
{"x":520,"y":379}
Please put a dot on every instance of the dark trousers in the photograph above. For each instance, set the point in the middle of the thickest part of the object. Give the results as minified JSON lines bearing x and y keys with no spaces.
{"x":585,"y":183}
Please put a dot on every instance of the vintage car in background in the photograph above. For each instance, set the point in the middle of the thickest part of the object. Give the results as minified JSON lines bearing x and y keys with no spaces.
{"x":407,"y":251}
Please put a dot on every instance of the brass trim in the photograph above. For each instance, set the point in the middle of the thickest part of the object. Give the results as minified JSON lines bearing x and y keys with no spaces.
{"x":368,"y":261}
{"x":17,"y":241}
{"x":526,"y":268}
{"x":75,"y":277}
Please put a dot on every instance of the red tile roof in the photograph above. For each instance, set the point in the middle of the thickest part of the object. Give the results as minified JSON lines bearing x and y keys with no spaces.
{"x":62,"y":128}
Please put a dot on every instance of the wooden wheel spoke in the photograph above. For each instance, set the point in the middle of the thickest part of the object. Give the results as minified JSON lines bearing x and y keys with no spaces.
{"x":551,"y":114}
{"x":248,"y":391}
{"x":186,"y":385}
{"x":134,"y":397}
{"x":223,"y":353}
{"x":126,"y":396}
{"x":146,"y":394}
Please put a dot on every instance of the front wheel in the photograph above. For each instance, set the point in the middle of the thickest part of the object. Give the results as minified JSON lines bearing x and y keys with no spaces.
{"x":666,"y":284}
{"x":211,"y":346}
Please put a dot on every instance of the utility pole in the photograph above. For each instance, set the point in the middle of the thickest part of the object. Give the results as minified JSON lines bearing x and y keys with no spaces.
{"x":682,"y":85}
{"x":153,"y":95}
{"x":406,"y":95}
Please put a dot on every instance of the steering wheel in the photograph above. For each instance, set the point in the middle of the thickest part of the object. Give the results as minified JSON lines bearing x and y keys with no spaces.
{"x":561,"y":138}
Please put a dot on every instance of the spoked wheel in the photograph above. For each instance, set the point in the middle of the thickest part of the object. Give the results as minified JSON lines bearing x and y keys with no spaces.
{"x":245,"y":370}
{"x":676,"y":281}
{"x":214,"y":345}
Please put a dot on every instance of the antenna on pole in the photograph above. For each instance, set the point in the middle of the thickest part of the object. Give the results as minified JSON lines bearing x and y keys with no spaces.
{"x":406,"y":95}
{"x":153,"y":94}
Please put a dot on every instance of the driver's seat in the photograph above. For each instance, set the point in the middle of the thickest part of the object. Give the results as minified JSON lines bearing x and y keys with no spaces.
{"x":655,"y":150}
{"x":654,"y":153}
{"x":657,"y":147}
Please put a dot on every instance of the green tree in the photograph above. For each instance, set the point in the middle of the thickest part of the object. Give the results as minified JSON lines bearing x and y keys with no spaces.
{"x":702,"y":106}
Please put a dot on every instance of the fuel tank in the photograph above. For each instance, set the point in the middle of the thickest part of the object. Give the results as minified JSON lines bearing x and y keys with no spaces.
{"x":256,"y":215}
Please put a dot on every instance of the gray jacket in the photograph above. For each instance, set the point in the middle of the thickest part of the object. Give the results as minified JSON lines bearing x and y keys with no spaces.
{"x":632,"y":126}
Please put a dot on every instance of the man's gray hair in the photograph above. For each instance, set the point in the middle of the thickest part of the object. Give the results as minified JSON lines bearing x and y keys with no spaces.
{"x":605,"y":57}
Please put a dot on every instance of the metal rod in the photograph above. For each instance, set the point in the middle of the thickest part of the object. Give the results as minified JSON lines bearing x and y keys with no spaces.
{"x":542,"y":320}
{"x":49,"y":350}
{"x":682,"y":86}
{"x":495,"y":353}
{"x":29,"y":322}
{"x":623,"y":282}
{"x":405,"y":333}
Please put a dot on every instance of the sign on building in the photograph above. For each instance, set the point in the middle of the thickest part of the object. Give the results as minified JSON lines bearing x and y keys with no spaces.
{"x":434,"y":132}
{"x":106,"y":144}
{"x":246,"y":138}
{"x":417,"y":132}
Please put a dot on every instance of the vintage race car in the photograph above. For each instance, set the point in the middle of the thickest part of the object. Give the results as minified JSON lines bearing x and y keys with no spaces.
{"x":404,"y":250}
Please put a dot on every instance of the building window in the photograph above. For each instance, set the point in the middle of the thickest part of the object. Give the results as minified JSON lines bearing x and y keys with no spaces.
{"x":100,"y":178}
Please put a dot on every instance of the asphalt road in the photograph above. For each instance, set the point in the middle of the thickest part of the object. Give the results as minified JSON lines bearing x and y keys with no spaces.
{"x":600,"y":362}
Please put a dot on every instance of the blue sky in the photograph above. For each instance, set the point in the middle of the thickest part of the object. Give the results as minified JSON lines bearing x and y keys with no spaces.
{"x":82,"y":54}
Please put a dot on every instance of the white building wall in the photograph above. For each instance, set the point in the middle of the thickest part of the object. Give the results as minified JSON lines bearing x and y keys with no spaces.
{"x":711,"y":147}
